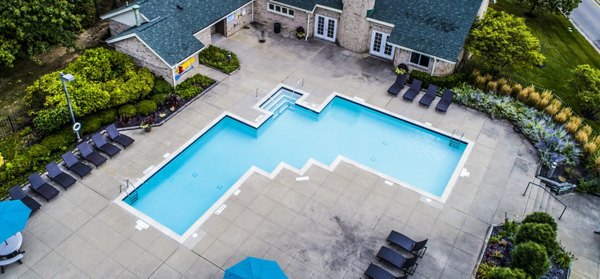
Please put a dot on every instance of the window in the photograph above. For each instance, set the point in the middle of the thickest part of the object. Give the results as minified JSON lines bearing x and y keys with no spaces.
{"x":281,"y":10}
{"x":420,"y":59}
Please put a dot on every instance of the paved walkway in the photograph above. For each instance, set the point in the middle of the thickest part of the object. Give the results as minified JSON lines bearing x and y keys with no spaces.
{"x":327,"y":227}
{"x":587,"y":19}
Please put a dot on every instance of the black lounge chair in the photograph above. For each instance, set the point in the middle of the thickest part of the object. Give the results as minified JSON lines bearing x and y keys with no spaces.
{"x":90,"y":155}
{"x":42,"y":188}
{"x":59,"y":176}
{"x":75,"y":166}
{"x":119,"y":138}
{"x":16,"y":193}
{"x":417,"y":248}
{"x":376,"y":272}
{"x":413,"y":91}
{"x":445,"y":101}
{"x":429,"y":95}
{"x":103,"y":145}
{"x":398,"y":85}
{"x":396,"y":259}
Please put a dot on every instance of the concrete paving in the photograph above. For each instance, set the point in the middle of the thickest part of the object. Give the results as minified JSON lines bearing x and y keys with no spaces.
{"x":586,"y":19}
{"x":329,"y":226}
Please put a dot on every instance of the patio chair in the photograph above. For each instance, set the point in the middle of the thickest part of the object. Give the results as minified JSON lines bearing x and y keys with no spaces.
{"x":17,"y":193}
{"x":75,"y":165}
{"x":417,"y":248}
{"x":413,"y":91}
{"x":119,"y":138}
{"x":445,"y":101}
{"x":429,"y":95}
{"x":103,"y":145}
{"x":90,"y":155}
{"x":396,"y":259}
{"x":398,"y":85}
{"x":59,"y":176}
{"x":376,"y":272}
{"x":12,"y":260}
{"x":39,"y":186}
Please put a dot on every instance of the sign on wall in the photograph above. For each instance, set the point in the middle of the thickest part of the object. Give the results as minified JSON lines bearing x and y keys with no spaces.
{"x":184,"y":67}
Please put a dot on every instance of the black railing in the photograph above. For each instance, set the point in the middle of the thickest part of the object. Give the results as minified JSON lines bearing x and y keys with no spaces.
{"x":549,"y":194}
{"x":13,"y":122}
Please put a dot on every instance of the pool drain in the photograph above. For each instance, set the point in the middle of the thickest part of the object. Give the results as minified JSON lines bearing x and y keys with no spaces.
{"x":195,"y":174}
{"x":219,"y":186}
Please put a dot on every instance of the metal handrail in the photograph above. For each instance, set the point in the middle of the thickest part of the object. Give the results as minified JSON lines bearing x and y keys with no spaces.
{"x":550,"y":193}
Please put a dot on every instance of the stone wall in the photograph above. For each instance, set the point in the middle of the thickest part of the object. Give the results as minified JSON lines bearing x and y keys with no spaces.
{"x":442,"y":68}
{"x":195,"y":70}
{"x":117,"y":27}
{"x":288,"y":24}
{"x":204,"y":36}
{"x":353,"y":29}
{"x":143,"y":57}
{"x":241,"y":18}
{"x":379,"y":27}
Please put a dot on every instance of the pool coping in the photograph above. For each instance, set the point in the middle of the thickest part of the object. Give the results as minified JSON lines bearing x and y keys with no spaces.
{"x":193,"y":231}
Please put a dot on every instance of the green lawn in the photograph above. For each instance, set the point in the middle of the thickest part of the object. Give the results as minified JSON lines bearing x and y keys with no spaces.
{"x":563,"y":47}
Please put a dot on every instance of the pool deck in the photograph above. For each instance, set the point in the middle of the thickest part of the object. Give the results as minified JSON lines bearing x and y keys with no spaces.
{"x":329,"y":226}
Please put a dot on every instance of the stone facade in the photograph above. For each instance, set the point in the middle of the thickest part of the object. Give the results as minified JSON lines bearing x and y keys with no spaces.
{"x":353,"y":27}
{"x":263,"y":16}
{"x":241,"y":18}
{"x":144,"y":57}
{"x":442,"y":68}
{"x":116,"y":27}
{"x":204,"y":36}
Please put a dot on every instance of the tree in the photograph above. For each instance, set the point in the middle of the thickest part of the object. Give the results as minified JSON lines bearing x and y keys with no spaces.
{"x":555,"y":6}
{"x":586,"y":81}
{"x":501,"y":40}
{"x":30,"y":27}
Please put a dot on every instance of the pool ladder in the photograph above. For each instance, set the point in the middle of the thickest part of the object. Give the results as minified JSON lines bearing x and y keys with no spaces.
{"x":131,"y":196}
{"x":454,"y":142}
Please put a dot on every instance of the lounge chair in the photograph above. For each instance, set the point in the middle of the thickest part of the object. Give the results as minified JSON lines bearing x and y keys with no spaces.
{"x":90,"y":155}
{"x":396,"y":259}
{"x":376,"y":272}
{"x":417,"y":248}
{"x":413,"y":91}
{"x":12,"y":260}
{"x":119,"y":138}
{"x":42,"y":188}
{"x":429,"y":95}
{"x":103,"y":145}
{"x":75,"y":166}
{"x":16,"y":193}
{"x":445,"y":101}
{"x":398,"y":85}
{"x":59,"y":176}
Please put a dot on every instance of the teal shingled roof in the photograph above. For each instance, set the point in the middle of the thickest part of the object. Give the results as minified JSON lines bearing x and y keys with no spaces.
{"x":170,"y":32}
{"x":434,"y":27}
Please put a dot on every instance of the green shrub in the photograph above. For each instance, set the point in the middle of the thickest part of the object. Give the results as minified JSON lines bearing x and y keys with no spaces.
{"x":159,"y":99}
{"x":107,"y":116}
{"x":146,"y":107}
{"x":541,"y":218}
{"x":531,"y":258}
{"x":539,"y":233}
{"x":127,"y":111}
{"x":60,"y":141}
{"x":50,"y":120}
{"x":189,"y":92}
{"x":218,"y":58}
{"x":161,"y":86}
{"x":193,"y":86}
{"x":90,"y":125}
{"x":86,"y":10}
{"x":506,"y":273}
{"x":25,"y":132}
{"x":450,"y":81}
{"x":483,"y":271}
{"x":38,"y":153}
{"x":562,"y":259}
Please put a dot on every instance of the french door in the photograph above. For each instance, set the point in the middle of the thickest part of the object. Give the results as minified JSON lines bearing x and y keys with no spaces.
{"x":379,"y":45}
{"x":325,"y":28}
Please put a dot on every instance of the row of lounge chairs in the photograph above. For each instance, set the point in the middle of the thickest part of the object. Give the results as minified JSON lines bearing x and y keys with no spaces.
{"x":65,"y":180}
{"x":407,"y":265}
{"x":414,"y":90}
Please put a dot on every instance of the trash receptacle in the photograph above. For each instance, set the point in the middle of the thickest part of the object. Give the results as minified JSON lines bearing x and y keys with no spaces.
{"x":277,"y":28}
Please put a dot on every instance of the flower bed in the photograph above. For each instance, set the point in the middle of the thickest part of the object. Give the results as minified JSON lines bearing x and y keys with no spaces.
{"x":220,"y":59}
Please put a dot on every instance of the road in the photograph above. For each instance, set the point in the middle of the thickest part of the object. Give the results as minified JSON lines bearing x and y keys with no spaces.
{"x":587,"y":18}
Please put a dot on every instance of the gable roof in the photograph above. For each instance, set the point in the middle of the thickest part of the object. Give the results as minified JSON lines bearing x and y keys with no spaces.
{"x":434,"y":27}
{"x":170,"y":32}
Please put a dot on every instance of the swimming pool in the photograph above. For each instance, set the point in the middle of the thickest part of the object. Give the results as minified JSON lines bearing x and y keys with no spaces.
{"x":182,"y":191}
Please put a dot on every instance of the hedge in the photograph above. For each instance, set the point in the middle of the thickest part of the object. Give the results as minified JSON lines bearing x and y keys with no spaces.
{"x":218,"y":58}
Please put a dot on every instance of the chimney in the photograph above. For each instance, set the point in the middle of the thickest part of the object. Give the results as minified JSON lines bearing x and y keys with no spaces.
{"x":136,"y":12}
{"x":354,"y":27}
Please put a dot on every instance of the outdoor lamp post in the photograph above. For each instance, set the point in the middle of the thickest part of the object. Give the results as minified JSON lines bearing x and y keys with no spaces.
{"x":68,"y":78}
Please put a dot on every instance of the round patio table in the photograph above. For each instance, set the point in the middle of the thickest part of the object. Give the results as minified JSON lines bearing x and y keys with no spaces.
{"x":11,"y":245}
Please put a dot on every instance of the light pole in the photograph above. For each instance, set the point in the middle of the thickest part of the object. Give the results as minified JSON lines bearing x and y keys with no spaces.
{"x":68,"y":78}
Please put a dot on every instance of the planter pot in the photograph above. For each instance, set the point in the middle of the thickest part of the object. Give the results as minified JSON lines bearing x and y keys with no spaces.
{"x":148,"y":129}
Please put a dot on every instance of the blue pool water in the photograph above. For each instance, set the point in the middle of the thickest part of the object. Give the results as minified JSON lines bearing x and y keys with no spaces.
{"x":185,"y":188}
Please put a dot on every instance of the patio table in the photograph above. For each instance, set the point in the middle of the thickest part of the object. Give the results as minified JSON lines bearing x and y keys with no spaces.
{"x":11,"y":245}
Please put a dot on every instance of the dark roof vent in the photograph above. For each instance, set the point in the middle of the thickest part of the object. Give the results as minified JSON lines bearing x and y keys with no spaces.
{"x":179,"y":6}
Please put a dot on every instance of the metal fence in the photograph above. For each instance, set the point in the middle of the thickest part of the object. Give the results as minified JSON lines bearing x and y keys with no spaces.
{"x":13,"y":122}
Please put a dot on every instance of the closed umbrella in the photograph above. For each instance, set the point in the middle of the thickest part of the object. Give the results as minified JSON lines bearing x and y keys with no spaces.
{"x":13,"y":217}
{"x":255,"y":268}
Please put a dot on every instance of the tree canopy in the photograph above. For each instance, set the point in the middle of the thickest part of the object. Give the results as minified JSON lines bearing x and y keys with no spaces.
{"x":555,"y":6}
{"x":586,"y":81}
{"x":30,"y":27}
{"x":500,"y":40}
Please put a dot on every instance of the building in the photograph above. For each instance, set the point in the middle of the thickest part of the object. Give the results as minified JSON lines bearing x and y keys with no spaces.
{"x":166,"y":36}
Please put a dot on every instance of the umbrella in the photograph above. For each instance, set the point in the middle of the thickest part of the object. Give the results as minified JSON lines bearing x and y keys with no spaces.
{"x":13,"y":217}
{"x":255,"y":268}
